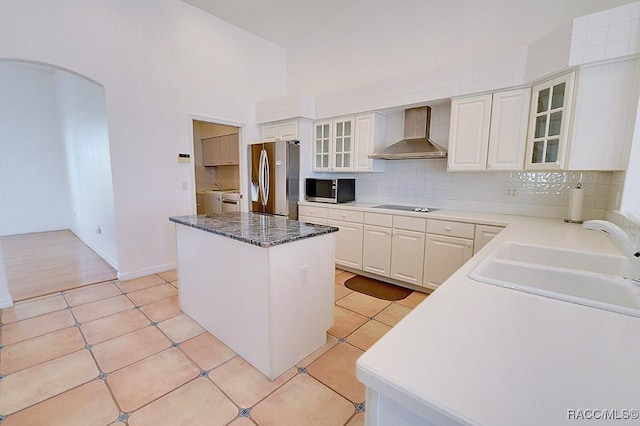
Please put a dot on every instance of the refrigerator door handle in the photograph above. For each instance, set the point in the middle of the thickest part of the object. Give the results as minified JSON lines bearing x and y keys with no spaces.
{"x":266,"y":178}
{"x":262,"y":177}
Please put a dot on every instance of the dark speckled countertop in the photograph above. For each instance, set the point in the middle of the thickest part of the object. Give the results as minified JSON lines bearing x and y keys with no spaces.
{"x":254,"y":228}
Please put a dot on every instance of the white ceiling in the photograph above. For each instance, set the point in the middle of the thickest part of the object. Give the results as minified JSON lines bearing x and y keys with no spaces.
{"x":283,"y":22}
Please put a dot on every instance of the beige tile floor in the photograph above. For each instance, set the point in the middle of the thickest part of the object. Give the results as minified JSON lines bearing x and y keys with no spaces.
{"x":123,"y":353}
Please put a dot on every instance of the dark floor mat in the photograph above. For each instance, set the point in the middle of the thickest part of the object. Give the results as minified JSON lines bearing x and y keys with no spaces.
{"x":377,"y":288}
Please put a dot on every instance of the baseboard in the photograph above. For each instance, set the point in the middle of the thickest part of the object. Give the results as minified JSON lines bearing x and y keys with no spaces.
{"x":6,"y":303}
{"x":147,"y":271}
{"x":99,"y":252}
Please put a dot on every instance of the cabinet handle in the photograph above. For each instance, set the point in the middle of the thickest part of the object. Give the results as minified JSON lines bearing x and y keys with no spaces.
{"x":447,"y":229}
{"x":343,"y":215}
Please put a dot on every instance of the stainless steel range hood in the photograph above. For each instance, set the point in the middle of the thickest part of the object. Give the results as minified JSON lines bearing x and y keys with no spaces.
{"x":416,"y":143}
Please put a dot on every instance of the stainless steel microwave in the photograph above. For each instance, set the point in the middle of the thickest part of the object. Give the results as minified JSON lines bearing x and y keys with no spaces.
{"x":330,"y":190}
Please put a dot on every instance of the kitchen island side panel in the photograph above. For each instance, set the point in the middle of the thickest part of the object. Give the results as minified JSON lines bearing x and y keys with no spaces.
{"x":301,"y":312}
{"x":224,"y":287}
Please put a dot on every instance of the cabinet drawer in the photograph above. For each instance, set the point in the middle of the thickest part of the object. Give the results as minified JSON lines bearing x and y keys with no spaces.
{"x":314,"y":220}
{"x":378,"y":219}
{"x":346,"y":215}
{"x":409,"y":223}
{"x":453,"y":229}
{"x":319,"y":212}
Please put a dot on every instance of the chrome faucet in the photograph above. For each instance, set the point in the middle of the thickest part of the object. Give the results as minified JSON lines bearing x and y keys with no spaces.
{"x":623,"y":241}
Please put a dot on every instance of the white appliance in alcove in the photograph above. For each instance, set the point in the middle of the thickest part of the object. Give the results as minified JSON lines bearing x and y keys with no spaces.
{"x":213,"y":202}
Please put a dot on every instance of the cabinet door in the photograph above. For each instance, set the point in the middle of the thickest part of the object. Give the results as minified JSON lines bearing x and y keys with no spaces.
{"x":376,"y":251}
{"x":508,"y":132}
{"x":229,"y":150}
{"x":288,"y":130}
{"x":484,"y":234}
{"x":348,"y":243}
{"x":407,"y":256}
{"x":444,"y":256}
{"x":211,"y":151}
{"x":469,"y":133}
{"x":549,"y":123}
{"x":343,"y":144}
{"x":268,"y":132}
{"x":365,"y":126}
{"x":322,"y":146}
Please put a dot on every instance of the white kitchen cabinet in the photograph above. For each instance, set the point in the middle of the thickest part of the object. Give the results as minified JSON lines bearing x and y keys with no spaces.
{"x":311,"y":219}
{"x":333,"y":145}
{"x":369,"y":138}
{"x":282,"y":130}
{"x":344,"y":144}
{"x":348,"y":250}
{"x":584,"y":120}
{"x":220,"y":150}
{"x":484,"y":234}
{"x":469,"y":133}
{"x":549,"y":119}
{"x":489,"y":132}
{"x":443,"y":256}
{"x":508,"y":130}
{"x":376,"y":252}
{"x":407,"y":256}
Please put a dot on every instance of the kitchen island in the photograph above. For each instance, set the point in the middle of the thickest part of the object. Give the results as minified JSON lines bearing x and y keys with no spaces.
{"x":261,"y":284}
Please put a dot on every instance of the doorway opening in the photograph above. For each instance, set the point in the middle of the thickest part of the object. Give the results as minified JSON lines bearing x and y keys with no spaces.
{"x":216,"y":167}
{"x":57,"y":221}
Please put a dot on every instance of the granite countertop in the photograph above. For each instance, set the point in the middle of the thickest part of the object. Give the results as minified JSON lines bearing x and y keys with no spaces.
{"x":254,"y":228}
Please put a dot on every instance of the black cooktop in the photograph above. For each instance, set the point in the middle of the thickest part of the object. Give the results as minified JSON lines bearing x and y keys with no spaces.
{"x":405,"y":208}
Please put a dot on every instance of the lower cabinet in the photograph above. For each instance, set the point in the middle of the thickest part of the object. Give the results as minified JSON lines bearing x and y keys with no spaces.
{"x":348,"y":243}
{"x":407,"y":256}
{"x":484,"y":234}
{"x":376,"y":251}
{"x":443,"y":256}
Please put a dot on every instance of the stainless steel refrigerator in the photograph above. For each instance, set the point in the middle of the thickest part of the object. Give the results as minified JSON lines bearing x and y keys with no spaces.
{"x":275,"y":178}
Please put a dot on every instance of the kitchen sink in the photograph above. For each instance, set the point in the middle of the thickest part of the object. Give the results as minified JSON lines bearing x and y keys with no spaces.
{"x":609,"y":264}
{"x":585,"y":278}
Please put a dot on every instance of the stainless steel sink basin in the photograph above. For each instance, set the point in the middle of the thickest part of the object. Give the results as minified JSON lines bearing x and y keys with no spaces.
{"x":585,"y":278}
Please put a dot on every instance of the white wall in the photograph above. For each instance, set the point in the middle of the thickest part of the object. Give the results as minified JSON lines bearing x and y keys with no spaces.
{"x":159,"y":61}
{"x":5,"y":298}
{"x":377,"y":40}
{"x":83,"y":125}
{"x":34,"y":195}
{"x":631,"y":193}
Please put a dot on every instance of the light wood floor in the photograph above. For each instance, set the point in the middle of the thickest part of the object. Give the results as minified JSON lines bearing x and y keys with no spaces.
{"x":48,"y":262}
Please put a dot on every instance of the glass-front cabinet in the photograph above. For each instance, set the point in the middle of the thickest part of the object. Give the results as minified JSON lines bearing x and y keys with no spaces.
{"x":343,"y":147}
{"x":549,"y":123}
{"x":321,"y":143}
{"x":333,"y":145}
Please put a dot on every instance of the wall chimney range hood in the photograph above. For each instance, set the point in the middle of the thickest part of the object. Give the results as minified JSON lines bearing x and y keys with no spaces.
{"x":415,"y":143}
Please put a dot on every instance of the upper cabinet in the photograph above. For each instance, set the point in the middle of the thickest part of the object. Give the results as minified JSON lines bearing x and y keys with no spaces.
{"x":282,"y":130}
{"x":221,"y":150}
{"x":549,"y":123}
{"x":584,"y":120}
{"x":489,"y":132}
{"x":344,"y":144}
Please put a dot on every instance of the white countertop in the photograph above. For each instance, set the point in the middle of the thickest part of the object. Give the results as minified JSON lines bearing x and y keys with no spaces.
{"x":482,"y":218}
{"x":488,"y":355}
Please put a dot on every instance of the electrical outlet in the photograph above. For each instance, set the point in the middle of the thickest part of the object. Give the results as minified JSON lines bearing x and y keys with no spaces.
{"x":304,"y":274}
{"x":510,"y":192}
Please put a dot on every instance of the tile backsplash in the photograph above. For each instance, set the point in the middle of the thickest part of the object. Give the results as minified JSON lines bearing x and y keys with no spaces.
{"x":427,"y":183}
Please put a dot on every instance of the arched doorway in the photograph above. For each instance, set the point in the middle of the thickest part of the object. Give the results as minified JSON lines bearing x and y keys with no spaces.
{"x":55,"y":180}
